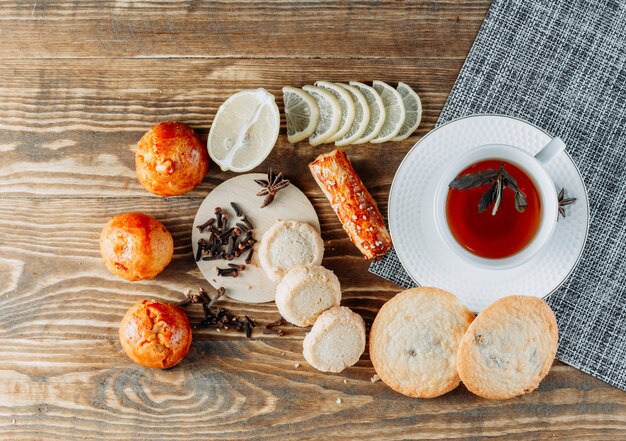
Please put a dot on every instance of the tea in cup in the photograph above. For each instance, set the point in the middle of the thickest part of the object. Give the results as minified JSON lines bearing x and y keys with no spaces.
{"x":496,"y":206}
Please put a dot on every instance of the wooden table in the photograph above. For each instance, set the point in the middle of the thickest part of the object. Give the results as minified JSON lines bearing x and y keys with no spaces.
{"x":80,"y":83}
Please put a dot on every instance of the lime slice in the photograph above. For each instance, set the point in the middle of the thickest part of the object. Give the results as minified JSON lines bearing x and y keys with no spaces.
{"x":244,"y":130}
{"x":361,"y":117}
{"x":330,"y":115}
{"x":394,"y":111}
{"x":377,"y":112}
{"x":347,"y":107}
{"x":301,"y":112}
{"x":413,"y":109}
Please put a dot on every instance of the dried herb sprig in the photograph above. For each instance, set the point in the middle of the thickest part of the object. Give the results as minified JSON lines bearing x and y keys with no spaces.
{"x":271,"y":186}
{"x":499,"y":179}
{"x":563,"y":202}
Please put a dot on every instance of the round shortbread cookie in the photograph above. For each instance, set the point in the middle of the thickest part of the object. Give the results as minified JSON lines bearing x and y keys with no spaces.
{"x":414,"y":339}
{"x":287,"y":244}
{"x":509,"y":348}
{"x":336,"y":340}
{"x":305,"y":292}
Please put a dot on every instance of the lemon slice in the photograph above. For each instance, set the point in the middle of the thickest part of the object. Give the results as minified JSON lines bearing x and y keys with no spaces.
{"x":347,"y":107}
{"x":330,"y":115}
{"x":301,"y":112}
{"x":413,"y":109}
{"x":244,"y":130}
{"x":377,"y":112}
{"x":361,"y":117}
{"x":394,"y":110}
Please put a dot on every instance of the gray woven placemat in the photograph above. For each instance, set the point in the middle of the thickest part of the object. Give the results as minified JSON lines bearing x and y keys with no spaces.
{"x":561,"y":64}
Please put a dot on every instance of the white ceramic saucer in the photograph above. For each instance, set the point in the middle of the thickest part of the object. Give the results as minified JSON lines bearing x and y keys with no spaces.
{"x":422,"y":250}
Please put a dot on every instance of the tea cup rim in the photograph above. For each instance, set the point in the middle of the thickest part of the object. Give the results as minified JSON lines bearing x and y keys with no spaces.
{"x":545,"y":187}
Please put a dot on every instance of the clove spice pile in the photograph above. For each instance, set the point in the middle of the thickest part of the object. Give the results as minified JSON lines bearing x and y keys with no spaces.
{"x":221,"y":318}
{"x":226,"y":242}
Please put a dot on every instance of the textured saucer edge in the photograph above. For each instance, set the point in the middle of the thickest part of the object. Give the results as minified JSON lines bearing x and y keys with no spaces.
{"x":478,"y":115}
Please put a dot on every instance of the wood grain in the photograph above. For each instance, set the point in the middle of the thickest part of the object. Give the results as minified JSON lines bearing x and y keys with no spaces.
{"x":273,"y":28}
{"x":79,"y":84}
{"x":88,"y":388}
{"x":69,"y":127}
{"x":55,"y":265}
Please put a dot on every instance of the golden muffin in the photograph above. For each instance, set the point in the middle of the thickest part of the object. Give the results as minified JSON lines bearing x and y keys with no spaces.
{"x":170,"y":159}
{"x":136,"y":246}
{"x":155,"y":334}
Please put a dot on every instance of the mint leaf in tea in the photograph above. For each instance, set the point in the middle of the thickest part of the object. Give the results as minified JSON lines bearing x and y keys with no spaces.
{"x":515,"y":213}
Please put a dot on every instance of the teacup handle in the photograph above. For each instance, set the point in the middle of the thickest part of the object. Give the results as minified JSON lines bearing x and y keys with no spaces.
{"x":550,"y":150}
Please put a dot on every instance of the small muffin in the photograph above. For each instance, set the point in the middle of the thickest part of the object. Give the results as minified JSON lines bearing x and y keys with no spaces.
{"x":304,"y":293}
{"x":414,"y":341}
{"x":509,"y":348}
{"x":287,"y":244}
{"x":336,"y":340}
{"x":136,"y":246}
{"x":170,"y":159}
{"x":155,"y":334}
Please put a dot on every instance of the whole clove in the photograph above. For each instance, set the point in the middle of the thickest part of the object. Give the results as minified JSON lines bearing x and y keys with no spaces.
{"x":244,"y":247}
{"x":247,"y":222}
{"x":279,"y":322}
{"x":232,"y":240}
{"x":248,"y":325}
{"x":217,"y":244}
{"x":226,"y":234}
{"x":249,"y":257}
{"x":243,"y":227}
{"x":272,"y":327}
{"x":220,"y":292}
{"x":225,"y":220}
{"x":206,"y":225}
{"x":201,"y":248}
{"x":227,"y":272}
{"x":218,"y":216}
{"x":237,"y":209}
{"x":247,"y":236}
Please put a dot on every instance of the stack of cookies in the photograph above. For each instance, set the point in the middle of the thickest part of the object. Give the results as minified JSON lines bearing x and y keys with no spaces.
{"x":424,"y":342}
{"x":309,"y":294}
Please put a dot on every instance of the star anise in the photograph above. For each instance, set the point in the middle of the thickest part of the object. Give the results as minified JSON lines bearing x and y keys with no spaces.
{"x":563,"y":202}
{"x":271,"y":186}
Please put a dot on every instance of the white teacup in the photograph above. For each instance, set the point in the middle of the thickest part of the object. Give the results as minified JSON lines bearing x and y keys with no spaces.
{"x":533,"y":166}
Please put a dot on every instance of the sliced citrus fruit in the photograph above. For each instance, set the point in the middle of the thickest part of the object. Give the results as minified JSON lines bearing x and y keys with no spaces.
{"x":413,"y":110}
{"x":347,"y":107}
{"x":377,"y":112}
{"x":301,"y":112}
{"x":394,"y":111}
{"x":330,"y":114}
{"x":361,"y":117}
{"x":244,"y":130}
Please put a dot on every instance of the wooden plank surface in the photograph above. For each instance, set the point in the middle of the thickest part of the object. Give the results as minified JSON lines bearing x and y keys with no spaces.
{"x":273,"y":28}
{"x":84,"y":116}
{"x":79,"y":83}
